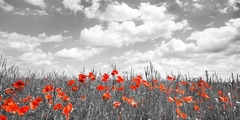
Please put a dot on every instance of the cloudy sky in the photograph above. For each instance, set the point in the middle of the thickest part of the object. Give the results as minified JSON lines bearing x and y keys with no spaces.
{"x":175,"y":35}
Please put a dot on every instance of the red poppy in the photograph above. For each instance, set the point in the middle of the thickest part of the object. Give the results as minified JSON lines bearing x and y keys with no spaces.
{"x":26,"y":99}
{"x":75,"y":88}
{"x":38,"y":99}
{"x":71,"y":82}
{"x":21,"y":111}
{"x":114,"y":72}
{"x":183,"y":115}
{"x":18,"y":84}
{"x":48,"y":88}
{"x":169,"y":99}
{"x":106,"y":96}
{"x":91,"y":76}
{"x":121,"y":88}
{"x":83,"y":97}
{"x":196,"y":108}
{"x":67,"y":109}
{"x":188,"y":99}
{"x":9,"y":91}
{"x":57,"y":106}
{"x":101,"y":87}
{"x":120,"y":79}
{"x":65,"y":98}
{"x":3,"y":117}
{"x":34,"y":104}
{"x":48,"y":96}
{"x":0,"y":98}
{"x":82,"y":78}
{"x":60,"y":94}
{"x":170,"y":78}
{"x":178,"y":111}
{"x":116,"y":104}
{"x":161,"y":87}
{"x":58,"y":89}
{"x":105,"y":77}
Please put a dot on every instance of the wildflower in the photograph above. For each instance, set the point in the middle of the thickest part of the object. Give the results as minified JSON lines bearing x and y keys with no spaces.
{"x":120,"y":79}
{"x":196,"y":108}
{"x":169,"y":99}
{"x":178,"y":111}
{"x":10,"y":106}
{"x":183,"y":115}
{"x":3,"y":117}
{"x":9,"y":91}
{"x":114,"y":87}
{"x":101,"y":87}
{"x":105,"y":77}
{"x":161,"y":87}
{"x":38,"y":99}
{"x":170,"y":78}
{"x":188,"y":99}
{"x":178,"y":103}
{"x":0,"y":98}
{"x":121,"y":88}
{"x":91,"y":76}
{"x":21,"y":111}
{"x":67,"y":109}
{"x":58,"y":89}
{"x":82,"y":78}
{"x":48,"y":96}
{"x":71,"y":82}
{"x":60,"y":94}
{"x":65,"y":98}
{"x":47,"y":88}
{"x":114,"y":72}
{"x":18,"y":84}
{"x":34,"y":104}
{"x":83,"y":97}
{"x":106,"y":96}
{"x":220,"y":93}
{"x":74,"y":88}
{"x":57,"y":106}
{"x":116,"y":104}
{"x":26,"y":99}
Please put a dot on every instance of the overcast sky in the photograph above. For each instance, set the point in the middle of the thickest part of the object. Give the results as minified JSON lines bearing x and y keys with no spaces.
{"x":175,"y":35}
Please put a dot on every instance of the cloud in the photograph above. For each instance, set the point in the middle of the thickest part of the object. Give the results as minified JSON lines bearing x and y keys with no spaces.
{"x":155,"y":21}
{"x":39,"y":3}
{"x":27,"y":11}
{"x":74,"y":5}
{"x":5,"y":6}
{"x":232,"y":4}
{"x":217,"y":39}
{"x":80,"y":54}
{"x":93,"y":11}
{"x":25,"y":43}
{"x":119,"y":12}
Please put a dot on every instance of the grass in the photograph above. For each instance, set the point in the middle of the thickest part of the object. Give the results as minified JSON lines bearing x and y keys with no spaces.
{"x":153,"y":98}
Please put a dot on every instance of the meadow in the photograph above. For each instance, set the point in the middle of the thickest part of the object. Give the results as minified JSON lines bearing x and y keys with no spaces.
{"x":115,"y":95}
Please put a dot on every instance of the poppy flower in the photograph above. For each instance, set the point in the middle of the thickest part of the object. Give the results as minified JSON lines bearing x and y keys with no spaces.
{"x":183,"y":115}
{"x":26,"y":99}
{"x":58,"y":89}
{"x":155,"y":80}
{"x":101,"y":87}
{"x":196,"y":108}
{"x":9,"y":91}
{"x":0,"y":98}
{"x":47,"y":88}
{"x":83,"y":97}
{"x":121,"y":88}
{"x":57,"y":106}
{"x":120,"y":79}
{"x":3,"y":117}
{"x":71,"y":82}
{"x":60,"y":94}
{"x":188,"y":99}
{"x":22,"y":110}
{"x":48,"y":96}
{"x":34,"y":104}
{"x":105,"y":77}
{"x":170,"y":78}
{"x":82,"y":78}
{"x":65,"y":98}
{"x":75,"y":88}
{"x":178,"y":111}
{"x":38,"y":99}
{"x":169,"y":99}
{"x":114,"y":72}
{"x":178,"y":103}
{"x":18,"y":84}
{"x":116,"y":104}
{"x":161,"y":87}
{"x":67,"y":109}
{"x":106,"y":96}
{"x":91,"y":76}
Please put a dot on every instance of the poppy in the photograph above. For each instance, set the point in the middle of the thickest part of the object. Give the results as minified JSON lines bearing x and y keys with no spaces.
{"x":114,"y":87}
{"x":65,"y":98}
{"x":170,"y":78}
{"x":26,"y":99}
{"x":60,"y":94}
{"x":47,"y":88}
{"x":58,"y":89}
{"x":34,"y":104}
{"x":48,"y":96}
{"x":106,"y":96}
{"x":22,"y":110}
{"x":183,"y":115}
{"x":9,"y":91}
{"x":82,"y":78}
{"x":3,"y":117}
{"x":196,"y":108}
{"x":188,"y":99}
{"x":57,"y":106}
{"x":178,"y":111}
{"x":0,"y":98}
{"x":91,"y":76}
{"x":169,"y":99}
{"x":120,"y":79}
{"x":18,"y":84}
{"x":105,"y":77}
{"x":101,"y":87}
{"x":75,"y":88}
{"x":120,"y":88}
{"x":116,"y":104}
{"x":67,"y":109}
{"x":83,"y":97}
{"x":71,"y":82}
{"x":114,"y":72}
{"x":38,"y":99}
{"x":178,"y":103}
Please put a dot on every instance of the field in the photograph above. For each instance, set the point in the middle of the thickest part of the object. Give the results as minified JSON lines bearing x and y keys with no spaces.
{"x":116,"y":95}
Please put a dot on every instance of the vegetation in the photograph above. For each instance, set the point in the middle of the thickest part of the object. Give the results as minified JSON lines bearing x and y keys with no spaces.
{"x":116,"y":96}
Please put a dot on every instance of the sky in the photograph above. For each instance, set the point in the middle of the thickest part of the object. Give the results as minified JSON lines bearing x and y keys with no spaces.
{"x":176,"y":36}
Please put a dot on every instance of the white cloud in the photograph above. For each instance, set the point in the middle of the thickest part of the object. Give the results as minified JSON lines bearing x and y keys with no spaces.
{"x":119,"y":12}
{"x":5,"y":6}
{"x":74,"y":5}
{"x":93,"y":10}
{"x":39,"y":3}
{"x":25,"y":43}
{"x":80,"y":54}
{"x":27,"y":11}
{"x":198,"y":6}
{"x":155,"y":23}
{"x":231,"y":4}
{"x":217,"y":39}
